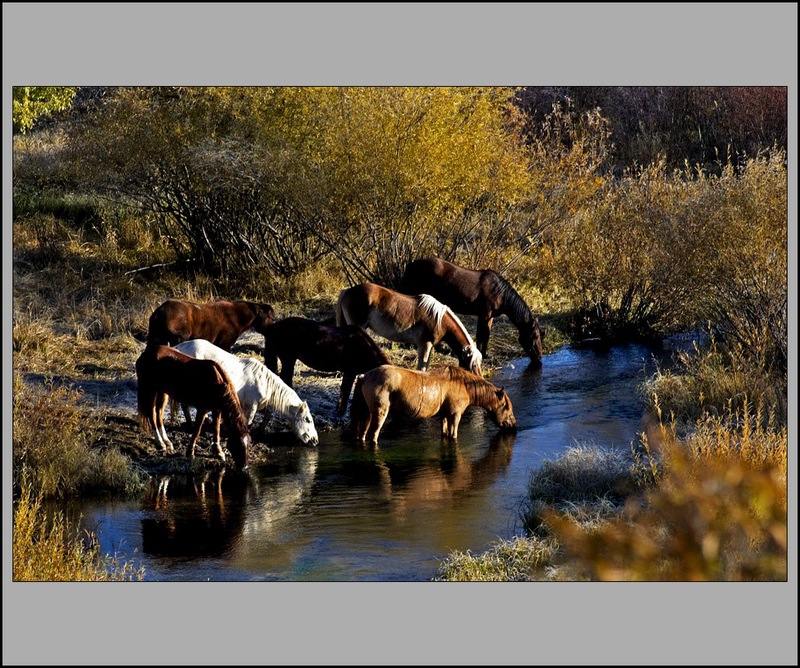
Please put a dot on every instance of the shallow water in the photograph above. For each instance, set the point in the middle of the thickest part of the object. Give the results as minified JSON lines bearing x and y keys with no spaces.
{"x":345,"y":512}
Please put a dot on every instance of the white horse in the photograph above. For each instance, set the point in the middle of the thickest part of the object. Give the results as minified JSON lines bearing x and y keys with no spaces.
{"x":257,"y":387}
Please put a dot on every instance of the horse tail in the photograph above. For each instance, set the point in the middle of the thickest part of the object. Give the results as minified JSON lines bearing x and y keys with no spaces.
{"x":358,"y":406}
{"x":339,"y":310}
{"x":145,"y":401}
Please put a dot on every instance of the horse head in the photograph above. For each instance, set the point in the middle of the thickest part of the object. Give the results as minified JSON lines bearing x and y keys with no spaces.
{"x":240,"y":453}
{"x":530,"y":338}
{"x":503,"y":414}
{"x":264,"y":317}
{"x":303,"y":424}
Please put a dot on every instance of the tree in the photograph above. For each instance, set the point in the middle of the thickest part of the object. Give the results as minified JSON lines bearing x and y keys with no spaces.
{"x":30,"y":103}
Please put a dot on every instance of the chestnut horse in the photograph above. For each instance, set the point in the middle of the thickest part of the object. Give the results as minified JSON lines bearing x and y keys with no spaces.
{"x":220,"y":322}
{"x":446,"y":392}
{"x":480,"y":292}
{"x":323,"y":347}
{"x":419,"y":320}
{"x":163,"y":372}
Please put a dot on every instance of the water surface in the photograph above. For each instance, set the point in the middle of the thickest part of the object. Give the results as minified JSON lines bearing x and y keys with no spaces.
{"x":346,"y":512}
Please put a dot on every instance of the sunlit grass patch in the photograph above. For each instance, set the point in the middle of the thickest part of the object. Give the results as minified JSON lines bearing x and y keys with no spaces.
{"x":48,"y":550}
{"x":53,"y":439}
{"x":518,"y":559}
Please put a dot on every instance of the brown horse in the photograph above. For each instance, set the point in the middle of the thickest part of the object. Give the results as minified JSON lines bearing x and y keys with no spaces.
{"x":419,"y":320}
{"x":323,"y":347}
{"x":446,"y":392}
{"x":163,"y":372}
{"x":480,"y":292}
{"x":220,"y":322}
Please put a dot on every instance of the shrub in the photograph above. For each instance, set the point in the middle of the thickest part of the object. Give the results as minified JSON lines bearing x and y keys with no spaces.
{"x":53,"y":440}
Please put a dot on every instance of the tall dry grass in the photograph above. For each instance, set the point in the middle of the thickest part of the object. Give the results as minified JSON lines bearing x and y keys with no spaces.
{"x":53,"y":446}
{"x":46,"y":549}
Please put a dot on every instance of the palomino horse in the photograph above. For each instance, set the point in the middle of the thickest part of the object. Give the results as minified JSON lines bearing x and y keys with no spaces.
{"x":419,"y":320}
{"x":348,"y":349}
{"x":163,"y":372}
{"x":483,"y":293}
{"x":257,"y":387}
{"x":446,"y":392}
{"x":220,"y":322}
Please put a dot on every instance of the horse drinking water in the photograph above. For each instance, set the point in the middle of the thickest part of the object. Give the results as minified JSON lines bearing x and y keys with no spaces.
{"x":220,"y":322}
{"x":163,"y":372}
{"x":257,"y":387}
{"x":348,"y":349}
{"x":419,"y":320}
{"x":483,"y":293}
{"x":446,"y":392}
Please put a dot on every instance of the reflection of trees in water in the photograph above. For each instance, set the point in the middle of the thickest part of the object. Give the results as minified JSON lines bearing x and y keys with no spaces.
{"x":195,"y":515}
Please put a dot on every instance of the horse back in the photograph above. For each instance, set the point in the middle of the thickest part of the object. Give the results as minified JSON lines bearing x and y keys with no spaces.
{"x":178,"y":320}
{"x":460,"y":288}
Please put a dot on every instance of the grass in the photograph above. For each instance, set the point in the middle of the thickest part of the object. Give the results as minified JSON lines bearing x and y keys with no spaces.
{"x":709,"y":507}
{"x":53,"y":446}
{"x":46,"y":549}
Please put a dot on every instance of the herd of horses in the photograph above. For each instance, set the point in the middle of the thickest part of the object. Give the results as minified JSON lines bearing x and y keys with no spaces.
{"x":188,"y":358}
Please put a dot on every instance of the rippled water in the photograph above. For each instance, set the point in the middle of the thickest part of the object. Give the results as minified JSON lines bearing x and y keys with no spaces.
{"x":345,"y":512}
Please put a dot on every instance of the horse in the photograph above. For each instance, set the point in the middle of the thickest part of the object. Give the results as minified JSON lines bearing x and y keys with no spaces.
{"x":163,"y":372}
{"x":323,"y":347}
{"x":220,"y":322}
{"x":446,"y":392}
{"x":257,"y":388}
{"x":480,"y":292}
{"x":420,"y":320}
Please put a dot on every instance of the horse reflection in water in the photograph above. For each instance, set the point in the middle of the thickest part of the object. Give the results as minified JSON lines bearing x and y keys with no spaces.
{"x":217,"y":513}
{"x":443,"y":482}
{"x":196,"y":515}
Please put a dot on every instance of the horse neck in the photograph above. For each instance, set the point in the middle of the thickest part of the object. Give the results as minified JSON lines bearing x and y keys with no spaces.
{"x":278,"y":394}
{"x":456,"y":335}
{"x":513,"y":305}
{"x":481,"y":393}
{"x":232,"y":410}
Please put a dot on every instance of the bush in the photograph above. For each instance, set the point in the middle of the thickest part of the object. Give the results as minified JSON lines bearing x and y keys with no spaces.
{"x":53,"y":440}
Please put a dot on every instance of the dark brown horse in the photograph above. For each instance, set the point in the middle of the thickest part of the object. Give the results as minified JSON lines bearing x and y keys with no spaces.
{"x":220,"y":322}
{"x":323,"y":347}
{"x":480,"y":292}
{"x":163,"y":372}
{"x":446,"y":392}
{"x":419,"y":320}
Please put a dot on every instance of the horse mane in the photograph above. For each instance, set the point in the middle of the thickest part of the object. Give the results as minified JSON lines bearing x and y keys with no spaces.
{"x":480,"y":390}
{"x":438,"y":311}
{"x":231,"y":408}
{"x":514,"y":305}
{"x":281,"y":396}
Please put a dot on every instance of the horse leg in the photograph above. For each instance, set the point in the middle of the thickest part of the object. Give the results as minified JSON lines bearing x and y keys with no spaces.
{"x":482,"y":335}
{"x":201,"y":418}
{"x":217,"y":442}
{"x":378,"y":412}
{"x":455,"y":418}
{"x":287,"y":370}
{"x":271,"y":359}
{"x":158,"y":423}
{"x":424,"y":352}
{"x":344,"y":394}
